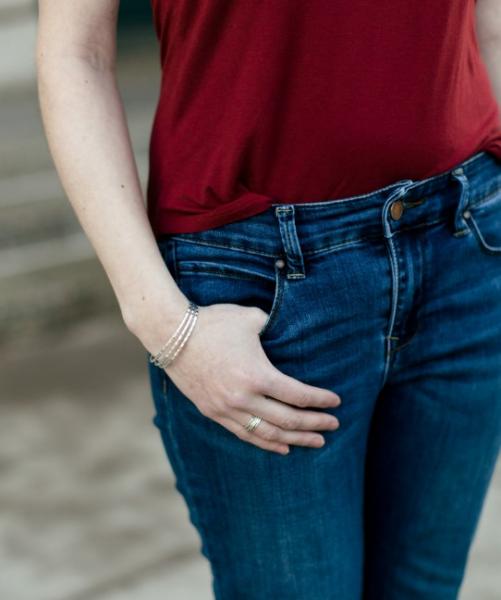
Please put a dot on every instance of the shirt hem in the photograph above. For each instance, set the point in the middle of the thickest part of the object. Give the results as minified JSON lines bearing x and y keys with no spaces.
{"x":166,"y":222}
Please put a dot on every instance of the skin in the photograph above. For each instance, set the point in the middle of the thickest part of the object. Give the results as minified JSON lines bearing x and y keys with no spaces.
{"x":222,"y":368}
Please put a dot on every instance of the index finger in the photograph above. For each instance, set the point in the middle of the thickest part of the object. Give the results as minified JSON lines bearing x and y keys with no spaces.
{"x":297,"y":393}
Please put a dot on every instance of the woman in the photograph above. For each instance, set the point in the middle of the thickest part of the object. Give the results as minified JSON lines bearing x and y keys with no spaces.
{"x":317,"y":277}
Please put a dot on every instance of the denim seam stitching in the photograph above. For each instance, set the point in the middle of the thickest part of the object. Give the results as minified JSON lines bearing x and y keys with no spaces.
{"x":315,"y":252}
{"x":276,"y":303}
{"x":295,"y":246}
{"x":229,"y":247}
{"x":286,"y":225}
{"x":227,"y":274}
{"x":480,"y":238}
{"x":393,"y":307}
{"x":368,"y":238}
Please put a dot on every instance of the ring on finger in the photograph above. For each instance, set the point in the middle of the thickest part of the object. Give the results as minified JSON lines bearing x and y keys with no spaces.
{"x":253,"y":422}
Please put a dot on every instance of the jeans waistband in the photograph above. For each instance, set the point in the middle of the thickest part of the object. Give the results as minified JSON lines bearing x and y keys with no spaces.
{"x":293,"y":230}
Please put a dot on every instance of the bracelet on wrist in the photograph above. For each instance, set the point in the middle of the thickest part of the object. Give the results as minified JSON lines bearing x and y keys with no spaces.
{"x":178,"y":339}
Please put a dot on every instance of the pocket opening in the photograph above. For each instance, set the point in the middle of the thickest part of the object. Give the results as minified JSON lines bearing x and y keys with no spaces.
{"x":475,"y":229}
{"x":483,"y":220}
{"x":212,"y":274}
{"x":276,"y":302}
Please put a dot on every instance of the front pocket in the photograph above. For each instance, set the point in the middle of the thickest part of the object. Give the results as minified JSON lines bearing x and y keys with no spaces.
{"x":276,"y":302}
{"x":484,"y":221}
{"x":209,"y":274}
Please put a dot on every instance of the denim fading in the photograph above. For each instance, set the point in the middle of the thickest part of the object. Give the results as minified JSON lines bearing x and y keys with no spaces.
{"x":392,"y":299}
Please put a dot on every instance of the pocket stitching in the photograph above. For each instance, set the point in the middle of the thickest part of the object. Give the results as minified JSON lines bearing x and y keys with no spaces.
{"x":278,"y":288}
{"x":222,"y":246}
{"x":276,"y":302}
{"x":476,"y":231}
{"x":201,"y":268}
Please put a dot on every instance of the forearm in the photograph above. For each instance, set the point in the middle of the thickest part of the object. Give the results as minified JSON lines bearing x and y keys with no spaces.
{"x":88,"y":137}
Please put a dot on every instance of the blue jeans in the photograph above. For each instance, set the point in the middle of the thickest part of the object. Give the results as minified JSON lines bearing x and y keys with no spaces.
{"x":392,"y":299}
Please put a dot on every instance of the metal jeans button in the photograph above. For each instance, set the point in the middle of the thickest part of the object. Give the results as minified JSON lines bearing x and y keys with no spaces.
{"x":280,"y":263}
{"x":396,"y":209}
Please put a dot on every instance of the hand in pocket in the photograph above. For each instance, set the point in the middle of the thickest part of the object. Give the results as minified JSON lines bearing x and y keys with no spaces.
{"x":225,"y":372}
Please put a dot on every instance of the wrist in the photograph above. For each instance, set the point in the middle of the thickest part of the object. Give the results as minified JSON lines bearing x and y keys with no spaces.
{"x":154,"y":322}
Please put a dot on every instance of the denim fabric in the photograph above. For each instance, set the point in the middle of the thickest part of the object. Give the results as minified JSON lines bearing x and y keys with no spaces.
{"x":392,"y":299}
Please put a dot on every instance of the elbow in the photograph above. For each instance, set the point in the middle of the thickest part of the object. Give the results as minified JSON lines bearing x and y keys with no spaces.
{"x":92,"y":56}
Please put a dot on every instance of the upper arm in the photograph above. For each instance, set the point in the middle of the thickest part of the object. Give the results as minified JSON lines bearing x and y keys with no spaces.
{"x":488,"y":20}
{"x":79,"y":28}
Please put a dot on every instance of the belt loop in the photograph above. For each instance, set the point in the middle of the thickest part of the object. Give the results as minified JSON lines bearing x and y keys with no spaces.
{"x":460,"y":226}
{"x":290,"y":240}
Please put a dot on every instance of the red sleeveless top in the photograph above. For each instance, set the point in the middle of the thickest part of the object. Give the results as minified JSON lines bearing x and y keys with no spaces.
{"x":266,"y":101}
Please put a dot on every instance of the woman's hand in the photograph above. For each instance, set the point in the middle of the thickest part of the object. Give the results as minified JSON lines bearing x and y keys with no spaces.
{"x":225,"y":372}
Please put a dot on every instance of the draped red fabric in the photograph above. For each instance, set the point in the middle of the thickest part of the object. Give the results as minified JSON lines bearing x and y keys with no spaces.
{"x":266,"y":101}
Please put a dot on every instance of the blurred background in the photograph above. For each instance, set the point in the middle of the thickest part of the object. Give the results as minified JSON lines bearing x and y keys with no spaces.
{"x":88,"y":507}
